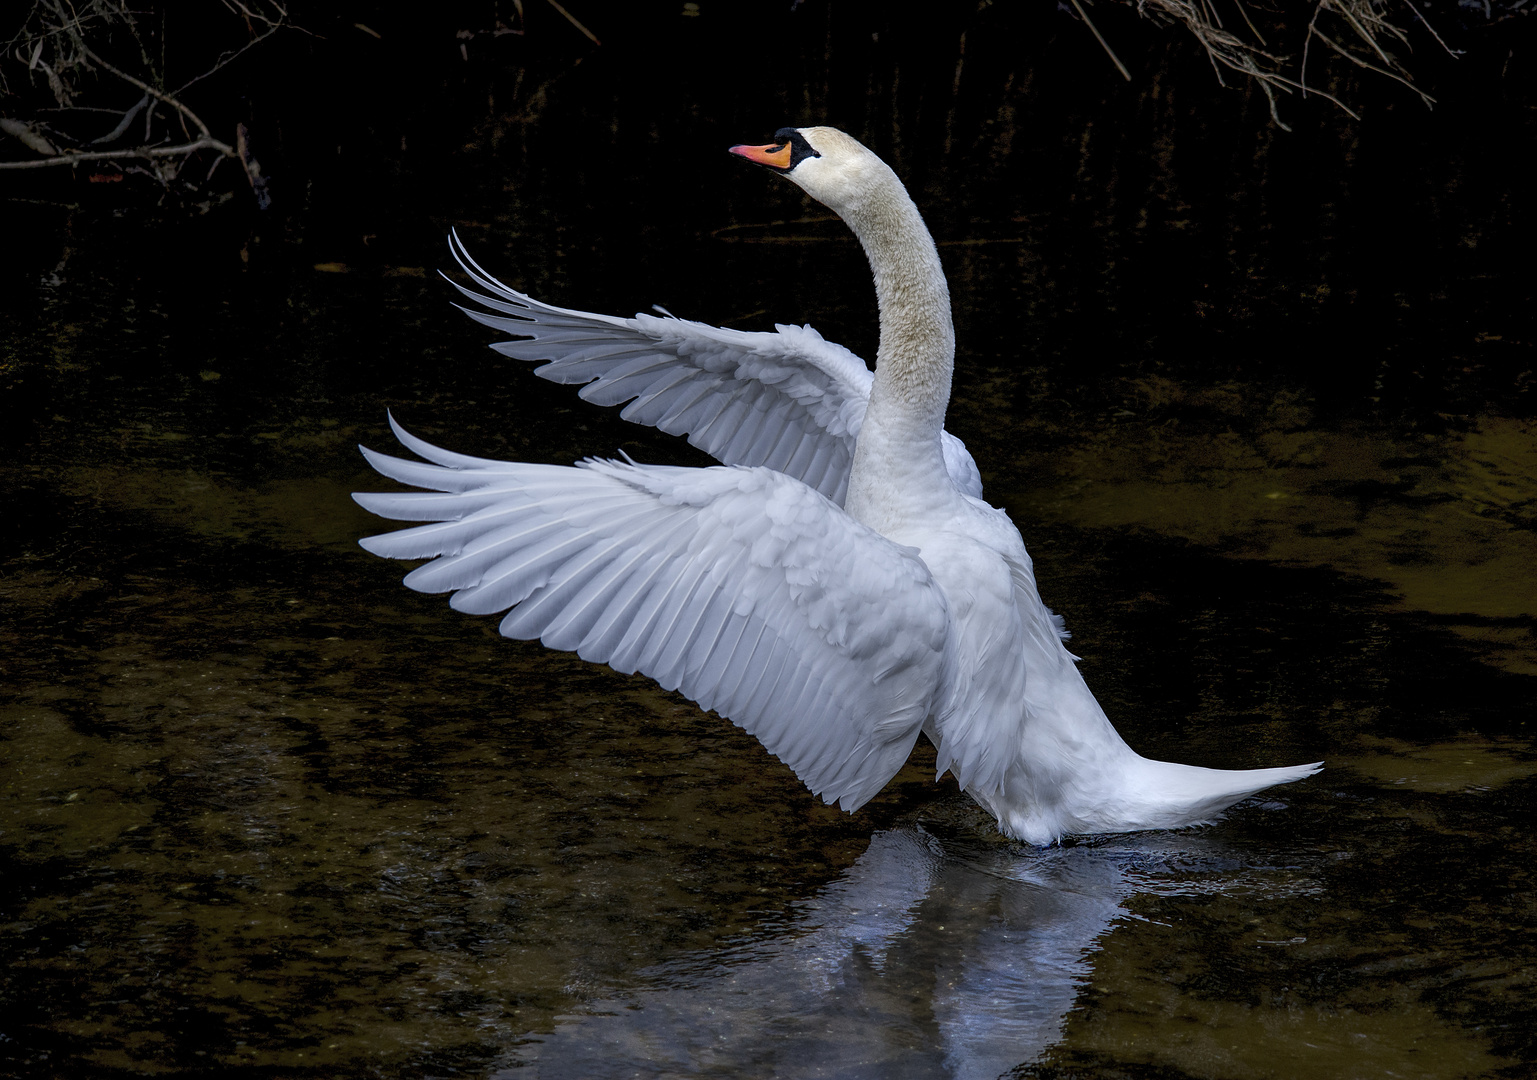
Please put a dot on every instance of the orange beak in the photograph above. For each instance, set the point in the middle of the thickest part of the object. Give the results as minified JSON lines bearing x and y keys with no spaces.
{"x":774,"y":155}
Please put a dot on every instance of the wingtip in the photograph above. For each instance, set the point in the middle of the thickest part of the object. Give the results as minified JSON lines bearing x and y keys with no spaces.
{"x":380,"y":463}
{"x":467,"y":263}
{"x":404,"y":437}
{"x":461,"y":256}
{"x":400,"y":433}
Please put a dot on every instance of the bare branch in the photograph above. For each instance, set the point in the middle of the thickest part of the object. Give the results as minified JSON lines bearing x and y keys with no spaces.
{"x":1426,"y":22}
{"x":152,"y":92}
{"x":143,"y":153}
{"x":62,"y":48}
{"x":570,"y":18}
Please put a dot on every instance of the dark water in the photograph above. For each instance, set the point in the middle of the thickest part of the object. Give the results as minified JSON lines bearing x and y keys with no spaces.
{"x":1261,"y":406}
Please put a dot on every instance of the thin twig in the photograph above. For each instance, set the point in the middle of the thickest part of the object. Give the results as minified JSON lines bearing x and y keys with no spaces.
{"x":229,"y":57}
{"x":1307,"y":41}
{"x":1245,"y":13}
{"x":1420,"y":16}
{"x":1354,"y":59}
{"x":1098,"y":36}
{"x":1286,"y":84}
{"x":1344,"y":9}
{"x":570,"y":18}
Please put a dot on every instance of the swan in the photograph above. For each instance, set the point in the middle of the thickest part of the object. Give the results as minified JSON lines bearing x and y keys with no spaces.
{"x":837,"y":585}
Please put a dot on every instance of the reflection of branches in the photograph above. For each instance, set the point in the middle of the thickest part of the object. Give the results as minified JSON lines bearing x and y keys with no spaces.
{"x":64,"y":44}
{"x":1365,"y":42}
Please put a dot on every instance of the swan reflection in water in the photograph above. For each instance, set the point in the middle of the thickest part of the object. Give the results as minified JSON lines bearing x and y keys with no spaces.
{"x":936,"y":954}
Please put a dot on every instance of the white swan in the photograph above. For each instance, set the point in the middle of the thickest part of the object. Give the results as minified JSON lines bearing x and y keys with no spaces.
{"x":833,"y":633}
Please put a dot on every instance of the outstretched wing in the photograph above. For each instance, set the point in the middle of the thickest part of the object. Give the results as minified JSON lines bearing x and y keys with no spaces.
{"x":790,"y":401}
{"x":748,"y":591}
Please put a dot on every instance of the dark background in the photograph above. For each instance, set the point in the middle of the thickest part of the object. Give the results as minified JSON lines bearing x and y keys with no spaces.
{"x":1380,"y":262}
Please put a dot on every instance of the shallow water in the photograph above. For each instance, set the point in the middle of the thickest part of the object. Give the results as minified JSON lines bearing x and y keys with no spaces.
{"x":264,"y":810}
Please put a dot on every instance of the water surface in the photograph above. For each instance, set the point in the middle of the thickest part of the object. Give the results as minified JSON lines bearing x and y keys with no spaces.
{"x":266,"y":811}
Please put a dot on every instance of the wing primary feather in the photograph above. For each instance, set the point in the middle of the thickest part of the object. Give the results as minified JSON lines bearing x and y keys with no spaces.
{"x":804,"y":455}
{"x":437,"y":455}
{"x":642,"y":635}
{"x":657,"y":557}
{"x":586,"y":592}
{"x":516,"y":577}
{"x":472,"y":561}
{"x":730,"y":416}
{"x":553,"y":614}
{"x":714,"y":627}
{"x":740,"y":665}
{"x":446,"y":538}
{"x":678,"y":419}
{"x":431,"y":506}
{"x":719,"y":655}
{"x":607,"y":631}
{"x":779,"y":456}
{"x":675,"y":604}
{"x":672,"y":654}
{"x":484,"y":279}
{"x":738,"y":448}
{"x":655,"y":400}
{"x":702,"y":415}
{"x":758,"y":694}
{"x":790,"y":748}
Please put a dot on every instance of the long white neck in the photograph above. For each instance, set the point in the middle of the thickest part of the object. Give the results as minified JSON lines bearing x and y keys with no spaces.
{"x":899,"y":468}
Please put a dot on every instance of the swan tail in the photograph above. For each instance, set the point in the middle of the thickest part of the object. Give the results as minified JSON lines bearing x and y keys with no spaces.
{"x":1180,"y":795}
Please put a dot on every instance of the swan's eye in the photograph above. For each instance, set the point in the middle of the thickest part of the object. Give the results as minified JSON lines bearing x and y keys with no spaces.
{"x":800,"y":149}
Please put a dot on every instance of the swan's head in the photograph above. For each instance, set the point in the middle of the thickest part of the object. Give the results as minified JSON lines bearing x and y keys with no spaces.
{"x":832,"y":167}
